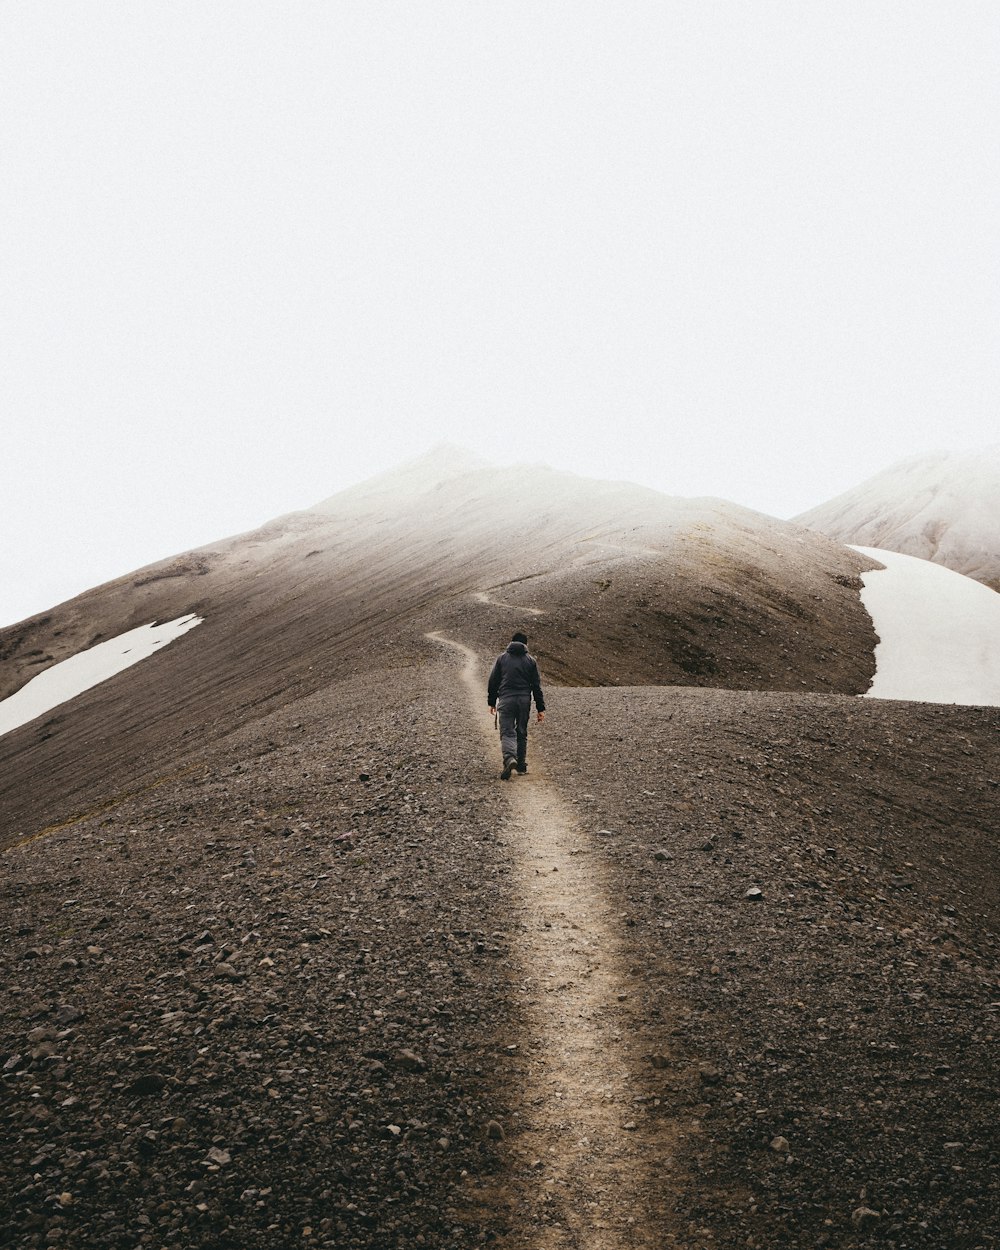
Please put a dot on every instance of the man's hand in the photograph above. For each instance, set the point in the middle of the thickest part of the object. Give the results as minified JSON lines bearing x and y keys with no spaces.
{"x":540,"y":717}
{"x":493,"y":712}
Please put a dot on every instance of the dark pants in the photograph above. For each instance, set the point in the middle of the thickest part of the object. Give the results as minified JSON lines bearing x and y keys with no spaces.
{"x":512,"y":713}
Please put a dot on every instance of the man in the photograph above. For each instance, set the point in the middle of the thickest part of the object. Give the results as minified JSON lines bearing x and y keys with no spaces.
{"x":513,"y":681}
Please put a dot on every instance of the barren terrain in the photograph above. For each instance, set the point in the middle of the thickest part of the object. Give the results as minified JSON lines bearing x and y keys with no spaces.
{"x":286,"y":964}
{"x":350,"y":1023}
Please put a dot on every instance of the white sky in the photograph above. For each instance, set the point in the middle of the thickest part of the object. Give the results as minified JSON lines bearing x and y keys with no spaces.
{"x":253,"y":252}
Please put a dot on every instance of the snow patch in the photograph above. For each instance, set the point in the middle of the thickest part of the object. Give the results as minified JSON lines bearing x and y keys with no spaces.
{"x":71,"y":677}
{"x":939,"y":632}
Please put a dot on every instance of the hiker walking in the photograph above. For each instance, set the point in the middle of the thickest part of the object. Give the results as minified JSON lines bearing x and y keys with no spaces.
{"x":513,"y":681}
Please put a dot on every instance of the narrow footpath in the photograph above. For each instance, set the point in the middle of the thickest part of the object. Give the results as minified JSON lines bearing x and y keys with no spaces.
{"x":481,"y":596}
{"x":584,"y":1166}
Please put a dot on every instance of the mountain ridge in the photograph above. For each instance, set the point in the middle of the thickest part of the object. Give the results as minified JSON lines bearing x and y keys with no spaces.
{"x":940,"y":506}
{"x":284,"y":963}
{"x":628,"y":587}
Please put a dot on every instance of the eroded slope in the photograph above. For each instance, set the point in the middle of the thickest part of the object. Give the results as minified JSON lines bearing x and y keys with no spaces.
{"x":634,"y":587}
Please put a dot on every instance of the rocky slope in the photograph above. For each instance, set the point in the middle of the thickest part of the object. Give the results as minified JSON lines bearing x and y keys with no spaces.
{"x":275,"y":1002}
{"x":940,"y":507}
{"x":833,"y":1035}
{"x":263,"y":930}
{"x":246,"y":1008}
{"x":636,"y":587}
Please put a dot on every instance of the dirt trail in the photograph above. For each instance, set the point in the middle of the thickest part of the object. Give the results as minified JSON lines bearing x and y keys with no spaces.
{"x":595,"y":549}
{"x":585,"y":1164}
{"x":597,"y":545}
{"x":481,"y":596}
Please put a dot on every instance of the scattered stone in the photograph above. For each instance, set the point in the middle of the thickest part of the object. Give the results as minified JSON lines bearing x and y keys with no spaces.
{"x":147,"y":1083}
{"x":494,"y":1130}
{"x":864,"y":1217}
{"x":822,"y":1006}
{"x":754,"y":894}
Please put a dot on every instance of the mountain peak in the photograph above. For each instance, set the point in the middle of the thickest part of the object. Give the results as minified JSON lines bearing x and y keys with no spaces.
{"x":443,"y":463}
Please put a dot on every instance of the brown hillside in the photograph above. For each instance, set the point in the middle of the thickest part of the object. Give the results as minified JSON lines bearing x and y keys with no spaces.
{"x":285,"y":964}
{"x":282,"y":999}
{"x":635,"y":588}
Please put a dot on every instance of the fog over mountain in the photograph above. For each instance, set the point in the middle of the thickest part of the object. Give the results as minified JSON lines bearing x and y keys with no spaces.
{"x":943,"y":507}
{"x":633,"y":587}
{"x":285,"y":963}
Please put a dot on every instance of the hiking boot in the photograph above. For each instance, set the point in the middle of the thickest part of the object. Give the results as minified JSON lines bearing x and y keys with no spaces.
{"x":508,"y":767}
{"x":521,"y":766}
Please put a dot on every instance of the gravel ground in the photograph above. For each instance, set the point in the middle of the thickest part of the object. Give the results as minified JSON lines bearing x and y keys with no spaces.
{"x":269,"y":1003}
{"x":834,"y":1037}
{"x":258,"y":1006}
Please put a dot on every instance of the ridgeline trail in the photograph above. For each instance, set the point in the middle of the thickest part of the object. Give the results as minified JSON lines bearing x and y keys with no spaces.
{"x":483,"y":596}
{"x":584,"y":1165}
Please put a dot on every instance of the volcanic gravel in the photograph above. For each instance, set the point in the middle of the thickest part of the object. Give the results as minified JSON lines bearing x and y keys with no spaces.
{"x":810,"y":883}
{"x":269,"y":1002}
{"x":256,"y":1006}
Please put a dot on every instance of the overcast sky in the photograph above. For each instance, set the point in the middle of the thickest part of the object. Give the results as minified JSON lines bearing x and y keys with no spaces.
{"x":251,"y":253}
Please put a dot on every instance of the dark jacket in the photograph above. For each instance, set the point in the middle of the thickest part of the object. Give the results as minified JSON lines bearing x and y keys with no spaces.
{"x":515,"y":672}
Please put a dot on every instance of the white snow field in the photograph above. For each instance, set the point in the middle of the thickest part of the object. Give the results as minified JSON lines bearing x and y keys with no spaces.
{"x":71,"y":677}
{"x":939,"y":631}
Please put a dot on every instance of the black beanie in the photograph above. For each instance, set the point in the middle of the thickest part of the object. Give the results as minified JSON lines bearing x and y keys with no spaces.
{"x":520,"y":638}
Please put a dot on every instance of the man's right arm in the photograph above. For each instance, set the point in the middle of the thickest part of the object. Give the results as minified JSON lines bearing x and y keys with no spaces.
{"x":493,"y":685}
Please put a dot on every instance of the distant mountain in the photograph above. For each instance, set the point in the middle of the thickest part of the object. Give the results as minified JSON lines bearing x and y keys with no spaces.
{"x":617,"y":584}
{"x":943,"y":507}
